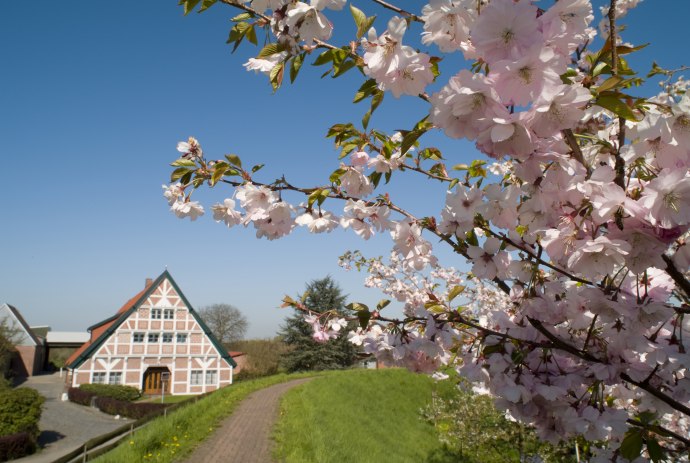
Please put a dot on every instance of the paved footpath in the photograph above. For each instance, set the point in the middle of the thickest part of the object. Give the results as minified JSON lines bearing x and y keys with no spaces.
{"x":64,"y":425}
{"x":245,"y":436}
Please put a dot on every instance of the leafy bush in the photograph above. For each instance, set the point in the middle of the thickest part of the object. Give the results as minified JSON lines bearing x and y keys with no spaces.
{"x":128,"y":409}
{"x":80,"y":396}
{"x":263,"y":357}
{"x":472,"y":429}
{"x":20,"y":410}
{"x":114,"y":391}
{"x":16,"y":446}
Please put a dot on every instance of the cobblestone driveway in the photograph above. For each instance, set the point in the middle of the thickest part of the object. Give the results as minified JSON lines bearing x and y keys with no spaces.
{"x":64,"y":426}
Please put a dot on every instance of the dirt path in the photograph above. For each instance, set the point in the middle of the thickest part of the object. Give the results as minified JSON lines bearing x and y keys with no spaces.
{"x":245,"y":436}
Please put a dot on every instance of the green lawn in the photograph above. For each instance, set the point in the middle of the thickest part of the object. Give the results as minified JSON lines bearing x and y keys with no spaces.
{"x":359,"y":416}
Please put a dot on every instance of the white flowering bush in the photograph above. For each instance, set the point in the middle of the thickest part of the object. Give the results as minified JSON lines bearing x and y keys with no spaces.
{"x":574,"y":220}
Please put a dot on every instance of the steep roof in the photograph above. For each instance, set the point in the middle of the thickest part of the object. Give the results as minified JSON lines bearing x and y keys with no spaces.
{"x":101,"y":331}
{"x":18,"y":322}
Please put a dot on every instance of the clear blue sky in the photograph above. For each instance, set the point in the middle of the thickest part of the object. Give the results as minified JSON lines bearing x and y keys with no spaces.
{"x":95,"y":95}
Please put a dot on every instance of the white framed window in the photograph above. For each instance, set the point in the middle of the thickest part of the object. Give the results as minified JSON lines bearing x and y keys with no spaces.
{"x":156,"y":314}
{"x":169,"y":314}
{"x":138,"y":337}
{"x":167,"y":337}
{"x":181,"y":338}
{"x":153,"y":337}
{"x":211,"y":376}
{"x":195,"y":377}
{"x":115,"y":377}
{"x":98,"y":377}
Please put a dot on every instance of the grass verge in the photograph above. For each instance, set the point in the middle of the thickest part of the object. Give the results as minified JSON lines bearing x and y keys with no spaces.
{"x":171,"y":438}
{"x":359,"y":416}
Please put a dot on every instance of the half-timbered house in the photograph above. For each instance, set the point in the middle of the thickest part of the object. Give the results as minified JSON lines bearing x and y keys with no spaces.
{"x":156,"y":342}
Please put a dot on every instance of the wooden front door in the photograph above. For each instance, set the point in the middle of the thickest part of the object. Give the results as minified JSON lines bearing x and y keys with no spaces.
{"x":153,"y":381}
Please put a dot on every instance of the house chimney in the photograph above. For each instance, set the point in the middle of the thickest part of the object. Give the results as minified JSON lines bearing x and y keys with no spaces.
{"x":149,"y":281}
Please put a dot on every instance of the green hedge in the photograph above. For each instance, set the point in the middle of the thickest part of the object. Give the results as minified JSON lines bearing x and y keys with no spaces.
{"x":114,"y":391}
{"x":128,"y":409}
{"x":20,"y":410}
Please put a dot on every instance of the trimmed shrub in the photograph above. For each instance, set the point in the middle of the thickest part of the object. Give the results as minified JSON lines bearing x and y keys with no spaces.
{"x":20,"y":410}
{"x":16,"y":446}
{"x":114,"y":391}
{"x":128,"y":409}
{"x":79,"y":396}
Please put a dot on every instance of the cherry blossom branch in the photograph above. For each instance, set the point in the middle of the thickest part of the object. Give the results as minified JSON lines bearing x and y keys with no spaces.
{"x":560,"y":344}
{"x":246,"y":8}
{"x":400,"y":11}
{"x":539,"y":259}
{"x":676,"y":274}
{"x":620,"y":163}
{"x":644,"y":385}
{"x":575,"y":147}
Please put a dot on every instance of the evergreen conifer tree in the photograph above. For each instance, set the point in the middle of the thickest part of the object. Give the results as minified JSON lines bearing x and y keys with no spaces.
{"x":305,"y":353}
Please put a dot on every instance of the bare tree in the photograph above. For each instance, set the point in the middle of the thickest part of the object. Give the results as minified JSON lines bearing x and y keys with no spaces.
{"x":226,"y":322}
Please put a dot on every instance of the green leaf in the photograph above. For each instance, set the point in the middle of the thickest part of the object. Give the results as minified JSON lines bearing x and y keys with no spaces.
{"x":251,"y":35}
{"x":453,"y":182}
{"x":271,"y":49}
{"x":188,"y":5}
{"x":364,"y":316}
{"x":183,"y":162}
{"x":476,"y":169}
{"x":234,"y":160}
{"x":631,"y":447}
{"x":186,"y":177}
{"x":599,"y":68}
{"x":295,"y":66}
{"x":178,"y":173}
{"x":206,"y":5}
{"x":367,"y":89}
{"x":624,"y":49}
{"x":360,"y":19}
{"x":343,"y":68}
{"x":276,"y":75}
{"x":656,"y":453}
{"x":218,"y":173}
{"x":610,"y":83}
{"x":240,"y":17}
{"x":357,"y":307}
{"x":455,"y":292}
{"x":256,"y":168}
{"x":323,"y":58}
{"x":383,"y":303}
{"x":288,"y":302}
{"x":335,"y":176}
{"x":436,"y":308}
{"x":431,"y":153}
{"x":616,"y":106}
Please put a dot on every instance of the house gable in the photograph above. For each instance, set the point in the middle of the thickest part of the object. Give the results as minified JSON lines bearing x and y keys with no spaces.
{"x":163,"y":292}
{"x":156,"y":334}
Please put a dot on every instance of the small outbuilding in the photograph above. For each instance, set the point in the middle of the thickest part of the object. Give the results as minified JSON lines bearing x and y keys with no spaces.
{"x":29,"y":349}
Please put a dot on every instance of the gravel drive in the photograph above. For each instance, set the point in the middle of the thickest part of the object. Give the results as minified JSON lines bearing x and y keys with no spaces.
{"x":64,"y":425}
{"x":245,"y":436}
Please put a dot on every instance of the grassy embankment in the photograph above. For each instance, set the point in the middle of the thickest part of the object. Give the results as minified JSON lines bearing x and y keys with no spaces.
{"x":170,"y":438}
{"x":359,"y":416}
